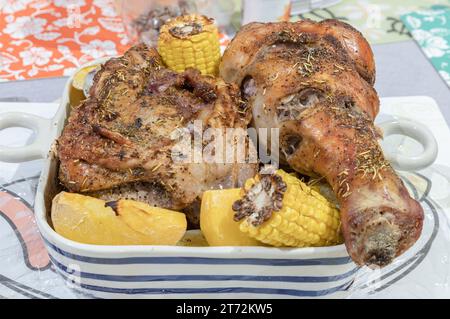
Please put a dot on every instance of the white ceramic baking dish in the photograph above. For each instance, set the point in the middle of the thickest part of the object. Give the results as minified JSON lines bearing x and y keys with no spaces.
{"x":188,"y":272}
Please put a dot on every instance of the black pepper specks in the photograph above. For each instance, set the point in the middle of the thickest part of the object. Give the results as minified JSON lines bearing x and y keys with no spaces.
{"x":138,"y":123}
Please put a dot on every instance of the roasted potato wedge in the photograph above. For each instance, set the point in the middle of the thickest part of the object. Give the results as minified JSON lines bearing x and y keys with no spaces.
{"x":216,"y":219}
{"x":93,"y":221}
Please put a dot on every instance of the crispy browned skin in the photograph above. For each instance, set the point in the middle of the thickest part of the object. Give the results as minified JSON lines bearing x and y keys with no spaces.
{"x":314,"y":82}
{"x":118,"y":143}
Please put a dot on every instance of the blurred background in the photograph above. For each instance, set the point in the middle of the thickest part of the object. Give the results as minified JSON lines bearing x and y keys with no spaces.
{"x":48,"y":38}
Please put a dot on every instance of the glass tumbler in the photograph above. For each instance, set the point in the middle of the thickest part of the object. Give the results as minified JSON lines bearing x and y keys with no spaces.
{"x":144,"y":18}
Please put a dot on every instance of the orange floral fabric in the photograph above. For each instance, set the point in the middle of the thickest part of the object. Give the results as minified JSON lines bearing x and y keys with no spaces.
{"x":46,"y":38}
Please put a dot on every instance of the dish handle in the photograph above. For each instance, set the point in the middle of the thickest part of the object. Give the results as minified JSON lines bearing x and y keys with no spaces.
{"x":38,"y":148}
{"x":418,"y":132}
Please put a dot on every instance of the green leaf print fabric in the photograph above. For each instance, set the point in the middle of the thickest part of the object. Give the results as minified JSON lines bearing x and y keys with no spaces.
{"x":378,"y":20}
{"x":431,"y":30}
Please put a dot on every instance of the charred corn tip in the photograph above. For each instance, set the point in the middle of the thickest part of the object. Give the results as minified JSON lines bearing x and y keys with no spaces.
{"x":280,"y":210}
{"x":190,"y":41}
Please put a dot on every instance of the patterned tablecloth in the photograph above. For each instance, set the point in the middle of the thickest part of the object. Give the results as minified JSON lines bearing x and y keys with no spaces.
{"x":378,"y":20}
{"x":431,"y":30}
{"x":45,"y":38}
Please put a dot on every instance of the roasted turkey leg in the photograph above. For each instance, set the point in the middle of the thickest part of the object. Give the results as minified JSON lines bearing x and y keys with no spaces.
{"x":314,"y":81}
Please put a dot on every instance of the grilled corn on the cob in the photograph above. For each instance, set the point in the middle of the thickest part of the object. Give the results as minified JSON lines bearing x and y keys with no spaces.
{"x":280,"y":210}
{"x":190,"y":41}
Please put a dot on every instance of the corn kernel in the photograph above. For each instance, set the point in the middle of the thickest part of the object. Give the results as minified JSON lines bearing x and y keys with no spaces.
{"x":201,"y":50}
{"x":305,"y":219}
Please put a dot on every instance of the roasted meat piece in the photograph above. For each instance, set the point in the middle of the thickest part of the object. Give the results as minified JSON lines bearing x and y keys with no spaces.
{"x":314,"y":81}
{"x":119,"y":143}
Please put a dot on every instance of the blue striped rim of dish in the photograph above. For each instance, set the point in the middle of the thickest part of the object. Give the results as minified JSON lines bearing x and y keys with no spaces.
{"x":150,"y":278}
{"x":110,"y":284}
{"x":212,"y":290}
{"x":203,"y":260}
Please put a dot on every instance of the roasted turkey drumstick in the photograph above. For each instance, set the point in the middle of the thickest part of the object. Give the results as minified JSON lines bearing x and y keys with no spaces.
{"x":314,"y":81}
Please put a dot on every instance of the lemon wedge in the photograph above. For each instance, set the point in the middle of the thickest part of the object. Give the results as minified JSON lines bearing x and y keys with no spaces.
{"x":79,"y":78}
